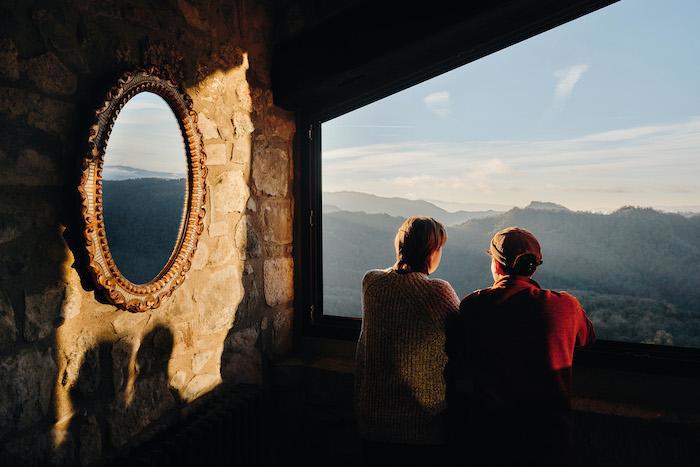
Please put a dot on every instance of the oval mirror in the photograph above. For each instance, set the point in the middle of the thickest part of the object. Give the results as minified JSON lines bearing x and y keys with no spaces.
{"x":143,"y":187}
{"x":143,"y":190}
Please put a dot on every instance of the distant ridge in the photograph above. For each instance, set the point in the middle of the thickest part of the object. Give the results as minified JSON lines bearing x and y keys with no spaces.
{"x":546,"y":206}
{"x":354,"y":201}
{"x":125,"y":172}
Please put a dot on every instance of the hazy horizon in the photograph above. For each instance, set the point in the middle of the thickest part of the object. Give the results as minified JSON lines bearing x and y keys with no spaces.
{"x":454,"y":206}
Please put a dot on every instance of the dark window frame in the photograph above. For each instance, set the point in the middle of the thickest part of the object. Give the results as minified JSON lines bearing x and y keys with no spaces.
{"x":310,"y":320}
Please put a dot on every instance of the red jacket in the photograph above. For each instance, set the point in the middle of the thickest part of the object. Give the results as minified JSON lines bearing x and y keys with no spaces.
{"x":517,"y":342}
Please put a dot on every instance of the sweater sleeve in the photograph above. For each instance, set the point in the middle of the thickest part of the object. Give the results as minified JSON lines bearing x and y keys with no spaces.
{"x":585,"y":333}
{"x":449,"y":298}
{"x":360,"y":354}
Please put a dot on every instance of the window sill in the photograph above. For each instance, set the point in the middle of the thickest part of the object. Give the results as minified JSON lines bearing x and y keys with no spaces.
{"x":598,"y":390}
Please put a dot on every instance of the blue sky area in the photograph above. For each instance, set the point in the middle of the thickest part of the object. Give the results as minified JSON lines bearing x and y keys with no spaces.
{"x":146,"y":136}
{"x":598,"y":113}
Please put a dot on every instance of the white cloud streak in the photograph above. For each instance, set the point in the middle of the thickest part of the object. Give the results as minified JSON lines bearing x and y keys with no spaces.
{"x":567,"y":79}
{"x":438,"y":103}
{"x":646,"y":165}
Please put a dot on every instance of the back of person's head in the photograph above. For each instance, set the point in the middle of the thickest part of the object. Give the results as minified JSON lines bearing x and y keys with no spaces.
{"x":417,"y":239}
{"x":525,"y":265}
{"x":516,"y":250}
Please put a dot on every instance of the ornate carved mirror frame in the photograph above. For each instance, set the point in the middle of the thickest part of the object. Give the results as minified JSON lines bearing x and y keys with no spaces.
{"x":117,"y":288}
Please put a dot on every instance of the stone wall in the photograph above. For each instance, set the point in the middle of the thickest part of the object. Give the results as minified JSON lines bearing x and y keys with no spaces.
{"x":81,"y":380}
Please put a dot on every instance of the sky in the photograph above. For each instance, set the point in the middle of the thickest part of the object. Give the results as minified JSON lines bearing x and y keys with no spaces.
{"x":596,"y":114}
{"x":145,"y":136}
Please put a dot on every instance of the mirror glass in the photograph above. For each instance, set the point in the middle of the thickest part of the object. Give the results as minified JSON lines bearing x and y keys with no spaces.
{"x":144,"y":187}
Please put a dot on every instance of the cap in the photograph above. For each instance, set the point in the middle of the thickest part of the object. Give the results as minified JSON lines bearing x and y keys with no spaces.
{"x":511,"y":243}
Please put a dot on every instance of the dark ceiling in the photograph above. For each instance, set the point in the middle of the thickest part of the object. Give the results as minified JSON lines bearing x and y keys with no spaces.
{"x":332,"y":57}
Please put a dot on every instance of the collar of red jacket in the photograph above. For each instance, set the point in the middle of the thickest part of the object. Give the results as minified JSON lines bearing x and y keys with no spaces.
{"x":515,"y":281}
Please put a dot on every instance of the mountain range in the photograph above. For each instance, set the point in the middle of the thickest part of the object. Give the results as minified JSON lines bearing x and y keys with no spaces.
{"x":363,"y":202}
{"x":636,"y":270}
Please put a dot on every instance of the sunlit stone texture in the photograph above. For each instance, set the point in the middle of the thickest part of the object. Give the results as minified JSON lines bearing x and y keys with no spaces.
{"x":81,"y":379}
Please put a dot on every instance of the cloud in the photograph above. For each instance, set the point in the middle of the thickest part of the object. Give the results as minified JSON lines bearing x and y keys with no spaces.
{"x":567,"y":79}
{"x":438,"y":103}
{"x":645,"y":165}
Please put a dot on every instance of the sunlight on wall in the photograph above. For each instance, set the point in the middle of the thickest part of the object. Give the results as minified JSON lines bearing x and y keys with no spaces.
{"x":171,"y":355}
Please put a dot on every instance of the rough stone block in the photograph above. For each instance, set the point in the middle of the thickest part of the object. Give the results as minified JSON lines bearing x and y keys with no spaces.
{"x":50,"y":115}
{"x":36,"y":169}
{"x":224,"y":252}
{"x":219,"y":300}
{"x":90,"y":449}
{"x":277,"y":221}
{"x":182,"y":305}
{"x":282,"y":330}
{"x":73,"y":299}
{"x":200,"y":359}
{"x":217,"y":229}
{"x":126,"y":322}
{"x":230,"y":192}
{"x":9,"y":68}
{"x":243,"y":95}
{"x":282,"y":123}
{"x":34,"y":449}
{"x":200,"y":385}
{"x":8,"y":330}
{"x":178,"y":380}
{"x":241,"y":150}
{"x":242,"y":123}
{"x":279,"y":280}
{"x":122,"y":354}
{"x":128,"y":416}
{"x":50,"y":75}
{"x":217,"y":153}
{"x":201,"y":256}
{"x":207,"y":127}
{"x":82,"y":371}
{"x":246,"y":239}
{"x":241,"y":360}
{"x":28,"y":379}
{"x":184,"y":335}
{"x":251,"y":205}
{"x":226,"y":130}
{"x":42,"y":310}
{"x":271,"y":172}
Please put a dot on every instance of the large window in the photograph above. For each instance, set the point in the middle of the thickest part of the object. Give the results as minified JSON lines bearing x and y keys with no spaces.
{"x":588,"y":135}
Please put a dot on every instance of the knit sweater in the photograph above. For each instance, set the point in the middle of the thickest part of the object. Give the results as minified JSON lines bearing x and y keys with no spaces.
{"x":399,"y":381}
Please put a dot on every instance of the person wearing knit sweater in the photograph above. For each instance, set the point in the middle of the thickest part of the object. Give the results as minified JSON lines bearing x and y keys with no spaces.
{"x":399,"y":382}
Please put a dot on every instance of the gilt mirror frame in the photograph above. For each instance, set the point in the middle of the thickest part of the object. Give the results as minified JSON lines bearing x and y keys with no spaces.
{"x":117,"y":289}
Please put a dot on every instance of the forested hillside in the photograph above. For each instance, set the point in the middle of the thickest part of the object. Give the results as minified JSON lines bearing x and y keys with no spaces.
{"x":142,"y":221}
{"x":636,"y":270}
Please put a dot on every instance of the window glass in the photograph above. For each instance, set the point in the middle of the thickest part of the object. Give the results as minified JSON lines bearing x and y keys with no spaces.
{"x":588,"y":135}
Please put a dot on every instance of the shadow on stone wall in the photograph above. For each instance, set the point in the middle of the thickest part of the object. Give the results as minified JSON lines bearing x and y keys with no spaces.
{"x":117,"y":396}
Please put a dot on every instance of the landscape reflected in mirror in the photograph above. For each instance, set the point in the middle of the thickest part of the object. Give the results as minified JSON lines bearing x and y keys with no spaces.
{"x":144,"y":187}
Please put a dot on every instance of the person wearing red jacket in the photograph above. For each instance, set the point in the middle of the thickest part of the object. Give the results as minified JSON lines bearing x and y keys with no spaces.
{"x":512,"y":348}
